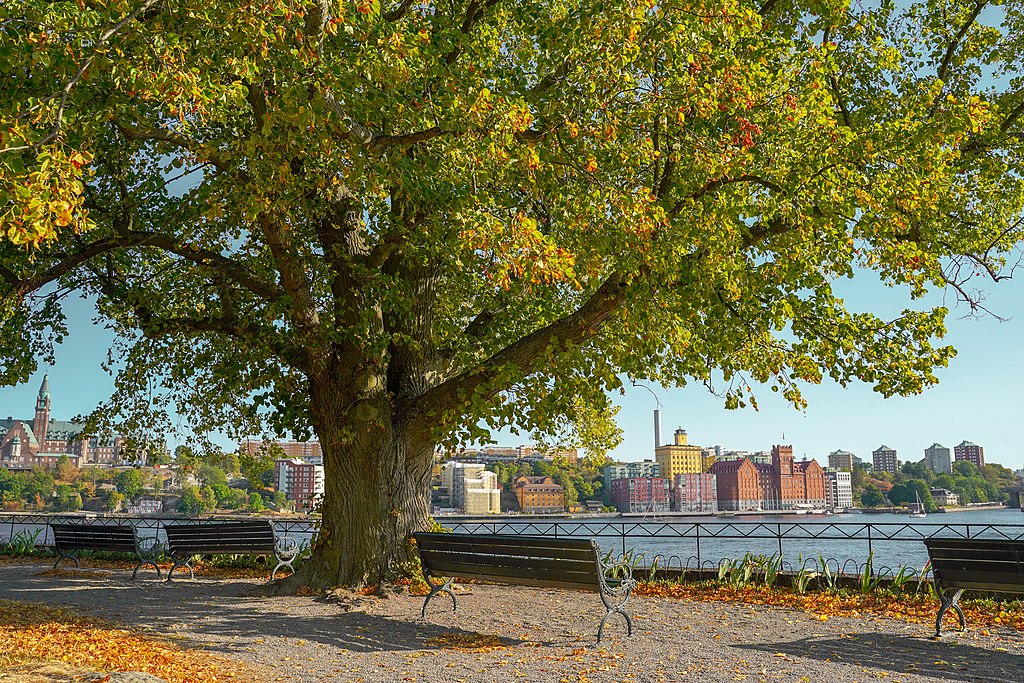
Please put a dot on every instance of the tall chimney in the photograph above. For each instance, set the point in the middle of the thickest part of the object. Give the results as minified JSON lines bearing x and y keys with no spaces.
{"x":657,"y":427}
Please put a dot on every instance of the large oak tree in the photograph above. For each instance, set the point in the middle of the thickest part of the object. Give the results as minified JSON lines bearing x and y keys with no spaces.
{"x":387,"y":223}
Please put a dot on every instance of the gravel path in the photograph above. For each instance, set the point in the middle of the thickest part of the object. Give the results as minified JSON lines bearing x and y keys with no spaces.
{"x":538,"y":635}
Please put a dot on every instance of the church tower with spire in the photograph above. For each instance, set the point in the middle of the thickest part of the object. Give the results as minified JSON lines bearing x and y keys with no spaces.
{"x":41,"y":422}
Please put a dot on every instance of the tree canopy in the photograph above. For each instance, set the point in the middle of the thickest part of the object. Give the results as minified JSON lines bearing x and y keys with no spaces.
{"x":392,"y":223}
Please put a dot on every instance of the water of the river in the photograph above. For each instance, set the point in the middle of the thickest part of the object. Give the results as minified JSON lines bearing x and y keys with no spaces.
{"x":895,"y":540}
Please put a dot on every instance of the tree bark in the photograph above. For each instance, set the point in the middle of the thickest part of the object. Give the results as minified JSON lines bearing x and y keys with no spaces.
{"x":377,"y":491}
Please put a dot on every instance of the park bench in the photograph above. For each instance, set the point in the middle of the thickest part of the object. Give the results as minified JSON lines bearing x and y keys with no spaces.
{"x":70,"y":539}
{"x":570,"y":563}
{"x":185,"y":541}
{"x":976,"y":565}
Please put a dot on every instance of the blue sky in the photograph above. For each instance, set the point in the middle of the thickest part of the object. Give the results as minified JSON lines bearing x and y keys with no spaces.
{"x":976,"y":399}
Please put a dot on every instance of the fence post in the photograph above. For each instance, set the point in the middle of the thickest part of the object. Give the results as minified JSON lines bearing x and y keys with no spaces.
{"x":622,"y":529}
{"x":870,"y":548}
{"x":697,"y":525}
{"x":779,"y":531}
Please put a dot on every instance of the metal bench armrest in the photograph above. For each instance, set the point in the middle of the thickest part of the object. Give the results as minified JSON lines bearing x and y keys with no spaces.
{"x":614,"y":585}
{"x":286,"y":546}
{"x":149,"y":548}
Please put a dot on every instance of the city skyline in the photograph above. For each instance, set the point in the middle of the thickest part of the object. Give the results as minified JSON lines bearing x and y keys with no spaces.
{"x":975,"y":400}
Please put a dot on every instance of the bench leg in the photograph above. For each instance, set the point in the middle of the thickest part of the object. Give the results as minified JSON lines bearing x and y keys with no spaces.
{"x":61,"y":555}
{"x":142,"y":563}
{"x":615,"y":610}
{"x":282,"y":563}
{"x":434,"y":590}
{"x":949,"y":601}
{"x":175,"y":564}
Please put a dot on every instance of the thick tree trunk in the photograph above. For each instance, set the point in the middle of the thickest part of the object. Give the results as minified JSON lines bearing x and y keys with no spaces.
{"x":377,"y":493}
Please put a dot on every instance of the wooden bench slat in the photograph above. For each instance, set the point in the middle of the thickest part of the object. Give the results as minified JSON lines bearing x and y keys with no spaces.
{"x":948,"y":575}
{"x":524,"y":575}
{"x":433,"y":540}
{"x":1004,"y":555}
{"x":435,"y":557}
{"x":221,"y":538}
{"x":531,"y":581}
{"x":112,"y":538}
{"x":538,"y":553}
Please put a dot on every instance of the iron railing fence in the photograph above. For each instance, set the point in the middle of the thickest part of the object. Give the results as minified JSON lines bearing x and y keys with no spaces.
{"x":712,"y":542}
{"x":626,"y":535}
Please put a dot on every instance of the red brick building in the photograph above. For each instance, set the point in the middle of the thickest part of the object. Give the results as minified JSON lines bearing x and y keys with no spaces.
{"x":787,"y":484}
{"x":640,"y":494}
{"x":783,"y":485}
{"x":737,"y":484}
{"x":971,"y":452}
{"x":695,"y":492}
{"x":309,"y":451}
{"x":301,"y":482}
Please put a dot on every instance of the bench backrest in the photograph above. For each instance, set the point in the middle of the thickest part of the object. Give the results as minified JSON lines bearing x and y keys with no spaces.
{"x":527,"y":560}
{"x":976,"y":564}
{"x":242,"y":538}
{"x":112,"y":538}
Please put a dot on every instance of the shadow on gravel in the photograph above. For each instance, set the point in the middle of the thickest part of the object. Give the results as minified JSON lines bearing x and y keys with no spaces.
{"x":944,"y":660}
{"x":225,"y":615}
{"x":353,"y":631}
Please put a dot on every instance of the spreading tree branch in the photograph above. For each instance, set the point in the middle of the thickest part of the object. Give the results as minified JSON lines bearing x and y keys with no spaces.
{"x":528,"y":353}
{"x":65,"y":92}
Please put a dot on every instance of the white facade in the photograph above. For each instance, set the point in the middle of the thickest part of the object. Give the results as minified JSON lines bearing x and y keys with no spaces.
{"x":838,"y":489}
{"x":945,"y":497}
{"x":471,"y":488}
{"x":146,"y":506}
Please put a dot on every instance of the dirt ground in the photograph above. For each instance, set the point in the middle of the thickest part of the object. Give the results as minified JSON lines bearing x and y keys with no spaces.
{"x":505,"y":633}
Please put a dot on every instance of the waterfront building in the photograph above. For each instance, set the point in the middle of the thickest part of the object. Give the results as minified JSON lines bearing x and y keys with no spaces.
{"x":641,"y":494}
{"x":695,"y":492}
{"x":629,"y":470}
{"x":471,"y":488}
{"x":841,"y":460}
{"x":884,"y":459}
{"x":41,"y":441}
{"x":971,"y":452}
{"x":787,"y":484}
{"x":937,"y":459}
{"x":146,"y":506}
{"x":301,"y":482}
{"x":838,"y":489}
{"x":737,"y":486}
{"x":307,"y":451}
{"x":679,"y":457}
{"x":539,"y":494}
{"x":945,"y":497}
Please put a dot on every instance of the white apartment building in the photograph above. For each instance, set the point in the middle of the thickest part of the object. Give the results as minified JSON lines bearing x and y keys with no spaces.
{"x":471,"y":488}
{"x":838,"y":489}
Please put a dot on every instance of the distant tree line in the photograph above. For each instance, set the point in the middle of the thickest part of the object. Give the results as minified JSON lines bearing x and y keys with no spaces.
{"x":208,"y":479}
{"x":972,"y":484}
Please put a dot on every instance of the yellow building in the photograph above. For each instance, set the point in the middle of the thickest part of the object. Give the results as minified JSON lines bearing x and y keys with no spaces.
{"x":679,"y":457}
